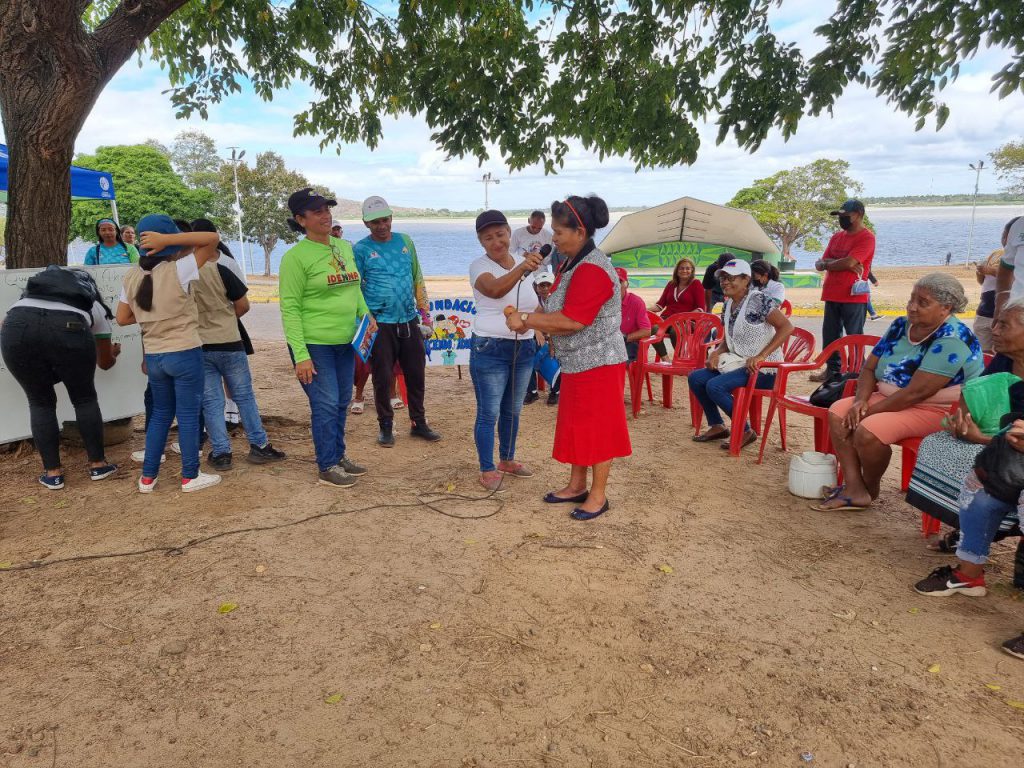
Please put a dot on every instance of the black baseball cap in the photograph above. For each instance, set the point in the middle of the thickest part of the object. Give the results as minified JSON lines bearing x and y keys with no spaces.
{"x":307,"y":198}
{"x":850,"y":206}
{"x":489,"y":219}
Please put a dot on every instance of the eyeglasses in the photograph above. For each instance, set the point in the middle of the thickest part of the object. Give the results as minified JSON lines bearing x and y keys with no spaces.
{"x":728,"y":278}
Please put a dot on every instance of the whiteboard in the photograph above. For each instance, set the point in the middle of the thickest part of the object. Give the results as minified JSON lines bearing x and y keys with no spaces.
{"x":120,"y":389}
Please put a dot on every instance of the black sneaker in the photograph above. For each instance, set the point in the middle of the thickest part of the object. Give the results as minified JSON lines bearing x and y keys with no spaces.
{"x":423,"y":430}
{"x":219,"y":461}
{"x":265,"y":455}
{"x":386,"y":437}
{"x":553,"y":398}
{"x":337,"y":477}
{"x":946,"y":581}
{"x":531,"y":397}
{"x":1015,"y":646}
{"x":351,"y":468}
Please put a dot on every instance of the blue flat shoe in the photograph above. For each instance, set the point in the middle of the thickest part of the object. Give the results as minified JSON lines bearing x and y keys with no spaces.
{"x":579,"y":514}
{"x":550,"y":498}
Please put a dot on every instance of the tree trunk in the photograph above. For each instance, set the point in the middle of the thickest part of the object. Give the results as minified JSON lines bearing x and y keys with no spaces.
{"x":269,"y":243}
{"x":51,"y":72}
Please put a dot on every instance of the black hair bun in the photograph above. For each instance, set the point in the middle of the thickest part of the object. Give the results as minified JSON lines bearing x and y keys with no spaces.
{"x":294,"y":226}
{"x":598,"y":211}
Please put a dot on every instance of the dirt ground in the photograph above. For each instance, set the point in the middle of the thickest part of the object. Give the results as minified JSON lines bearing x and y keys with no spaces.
{"x":710,"y":619}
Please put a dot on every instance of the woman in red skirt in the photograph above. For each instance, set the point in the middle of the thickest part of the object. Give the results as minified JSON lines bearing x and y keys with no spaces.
{"x":582,"y":319}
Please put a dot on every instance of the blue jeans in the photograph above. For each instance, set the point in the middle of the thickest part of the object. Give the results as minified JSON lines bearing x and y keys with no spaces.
{"x":329,"y":395}
{"x":979,"y":521}
{"x":500,"y":390}
{"x":176,"y":383}
{"x":233,"y":368}
{"x":714,"y":390}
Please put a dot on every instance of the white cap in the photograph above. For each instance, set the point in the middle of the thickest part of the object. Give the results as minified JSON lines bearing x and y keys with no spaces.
{"x":336,"y":223}
{"x":735,"y":267}
{"x":544,"y":276}
{"x":375,"y":207}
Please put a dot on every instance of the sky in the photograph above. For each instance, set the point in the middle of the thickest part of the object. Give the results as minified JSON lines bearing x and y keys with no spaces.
{"x":886,"y":155}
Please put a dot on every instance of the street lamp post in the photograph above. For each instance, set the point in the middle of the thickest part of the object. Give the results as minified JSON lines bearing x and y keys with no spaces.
{"x":487,"y":180}
{"x":974,"y":205}
{"x":235,"y":160}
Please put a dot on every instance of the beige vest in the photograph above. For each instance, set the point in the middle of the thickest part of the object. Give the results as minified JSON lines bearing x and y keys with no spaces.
{"x":217,"y":323}
{"x":171,"y":325}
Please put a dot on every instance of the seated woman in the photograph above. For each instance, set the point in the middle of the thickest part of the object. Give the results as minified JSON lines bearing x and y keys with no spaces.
{"x":905,"y":389}
{"x":766,"y":279}
{"x":755,"y":330}
{"x":682,"y":293}
{"x":946,"y":458}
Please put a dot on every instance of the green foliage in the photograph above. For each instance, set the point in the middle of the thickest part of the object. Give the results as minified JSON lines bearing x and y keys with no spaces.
{"x":793,"y":206}
{"x":264,"y":189}
{"x":625,"y":77}
{"x":194,"y":157}
{"x":144,"y":182}
{"x":1009,"y":163}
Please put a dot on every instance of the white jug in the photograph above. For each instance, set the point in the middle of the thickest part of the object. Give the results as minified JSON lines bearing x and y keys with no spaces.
{"x":810,"y":472}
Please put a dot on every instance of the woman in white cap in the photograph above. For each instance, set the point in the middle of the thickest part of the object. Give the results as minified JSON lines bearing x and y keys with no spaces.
{"x":755,"y":330}
{"x":501,"y":360}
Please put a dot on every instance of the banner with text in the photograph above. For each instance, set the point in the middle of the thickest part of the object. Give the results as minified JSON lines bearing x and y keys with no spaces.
{"x":450,"y":342}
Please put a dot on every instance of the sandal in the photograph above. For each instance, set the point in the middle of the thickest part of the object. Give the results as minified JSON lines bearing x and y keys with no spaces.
{"x":710,"y":436}
{"x":848,"y":505}
{"x":357,"y":407}
{"x":947,"y":543}
{"x":491,"y":480}
{"x":748,"y":437}
{"x":397,"y":404}
{"x":829,"y":492}
{"x":516,"y":470}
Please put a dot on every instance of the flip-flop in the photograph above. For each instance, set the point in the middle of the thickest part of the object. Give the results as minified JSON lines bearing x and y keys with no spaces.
{"x":550,"y":498}
{"x":358,"y":406}
{"x":705,"y":438}
{"x":830,"y":492}
{"x":848,"y":505}
{"x":397,"y":404}
{"x":579,"y":514}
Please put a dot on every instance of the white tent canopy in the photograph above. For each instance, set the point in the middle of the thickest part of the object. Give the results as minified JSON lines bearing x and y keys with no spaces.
{"x":688,"y":220}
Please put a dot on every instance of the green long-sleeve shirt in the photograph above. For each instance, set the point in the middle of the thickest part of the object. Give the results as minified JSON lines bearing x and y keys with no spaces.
{"x":321,"y":301}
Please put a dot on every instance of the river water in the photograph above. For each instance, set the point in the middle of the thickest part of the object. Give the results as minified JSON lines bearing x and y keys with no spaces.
{"x":905,"y":237}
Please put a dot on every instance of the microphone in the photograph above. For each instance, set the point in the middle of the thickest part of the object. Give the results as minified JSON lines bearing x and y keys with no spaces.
{"x":544,"y":251}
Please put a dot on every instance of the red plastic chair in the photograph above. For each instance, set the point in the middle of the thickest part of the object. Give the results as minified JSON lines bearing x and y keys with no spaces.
{"x":852,"y":351}
{"x":747,"y":400}
{"x":632,"y":373}
{"x":787,"y":308}
{"x":692,"y":330}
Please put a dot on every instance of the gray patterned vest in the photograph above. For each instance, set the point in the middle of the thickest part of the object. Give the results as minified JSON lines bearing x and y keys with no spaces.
{"x":599,"y":343}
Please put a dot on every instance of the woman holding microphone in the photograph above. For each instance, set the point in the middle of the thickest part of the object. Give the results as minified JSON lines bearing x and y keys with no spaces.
{"x":501,"y":360}
{"x":583,"y":317}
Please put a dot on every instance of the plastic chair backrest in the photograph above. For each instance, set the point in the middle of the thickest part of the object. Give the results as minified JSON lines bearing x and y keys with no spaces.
{"x":852,"y":350}
{"x":693,"y":329}
{"x":787,"y":308}
{"x":799,"y":346}
{"x":654,"y":317}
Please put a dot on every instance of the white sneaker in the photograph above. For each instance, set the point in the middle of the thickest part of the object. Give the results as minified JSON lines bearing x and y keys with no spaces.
{"x":147,"y":487}
{"x":176,"y":448}
{"x":198,"y":483}
{"x":140,"y":456}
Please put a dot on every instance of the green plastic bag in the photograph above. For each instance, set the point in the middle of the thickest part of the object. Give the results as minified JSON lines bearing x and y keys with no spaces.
{"x":988,"y":399}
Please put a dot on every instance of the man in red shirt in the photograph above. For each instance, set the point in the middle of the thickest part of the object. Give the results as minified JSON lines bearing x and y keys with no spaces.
{"x":846,"y":260}
{"x":635,"y":324}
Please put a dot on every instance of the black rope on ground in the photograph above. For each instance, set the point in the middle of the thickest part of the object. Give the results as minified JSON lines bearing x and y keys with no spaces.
{"x":421,"y":501}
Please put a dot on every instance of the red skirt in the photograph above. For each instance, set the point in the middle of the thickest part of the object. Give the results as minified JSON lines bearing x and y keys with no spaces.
{"x":591,"y":425}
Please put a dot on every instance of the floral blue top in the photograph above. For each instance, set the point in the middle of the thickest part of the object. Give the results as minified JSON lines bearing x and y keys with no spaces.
{"x":951,"y":351}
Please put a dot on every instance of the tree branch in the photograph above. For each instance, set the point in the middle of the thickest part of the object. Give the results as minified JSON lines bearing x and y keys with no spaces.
{"x":119,"y":35}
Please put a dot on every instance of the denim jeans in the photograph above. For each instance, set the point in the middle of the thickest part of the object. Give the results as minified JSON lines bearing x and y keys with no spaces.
{"x":500,"y":390}
{"x":979,"y":521}
{"x":147,"y":402}
{"x":841,"y":319}
{"x":714,"y":390}
{"x":233,"y":368}
{"x":176,"y":383}
{"x":329,"y":395}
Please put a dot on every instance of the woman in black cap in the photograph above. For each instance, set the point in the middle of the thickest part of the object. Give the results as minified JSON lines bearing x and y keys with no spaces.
{"x":501,"y":360}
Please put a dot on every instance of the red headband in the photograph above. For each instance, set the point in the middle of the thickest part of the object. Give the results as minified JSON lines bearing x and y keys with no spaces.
{"x":575,"y":214}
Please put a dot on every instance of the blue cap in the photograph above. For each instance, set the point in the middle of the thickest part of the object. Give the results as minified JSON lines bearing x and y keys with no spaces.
{"x":158,"y":222}
{"x":850,"y":206}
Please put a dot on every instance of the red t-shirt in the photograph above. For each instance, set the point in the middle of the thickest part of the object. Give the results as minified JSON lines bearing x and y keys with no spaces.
{"x":837,"y":285}
{"x":634,"y":314}
{"x":589,"y":290}
{"x":689,"y":299}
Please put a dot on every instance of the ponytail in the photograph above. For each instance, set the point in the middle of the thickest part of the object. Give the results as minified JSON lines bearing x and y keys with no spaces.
{"x":590,"y":213}
{"x":762,"y":267}
{"x":144,"y":297}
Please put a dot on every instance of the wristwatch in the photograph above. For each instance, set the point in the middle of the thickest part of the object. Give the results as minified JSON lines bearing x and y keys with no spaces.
{"x":523,"y":316}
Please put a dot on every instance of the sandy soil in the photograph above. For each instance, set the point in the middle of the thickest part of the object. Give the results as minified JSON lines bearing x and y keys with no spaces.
{"x":710,"y":619}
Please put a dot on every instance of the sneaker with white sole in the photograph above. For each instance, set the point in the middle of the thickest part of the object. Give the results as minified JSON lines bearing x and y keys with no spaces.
{"x":147,"y":484}
{"x":199,"y":482}
{"x":52,"y":482}
{"x":947,"y":580}
{"x":140,"y":456}
{"x":336,"y":477}
{"x":101,"y":473}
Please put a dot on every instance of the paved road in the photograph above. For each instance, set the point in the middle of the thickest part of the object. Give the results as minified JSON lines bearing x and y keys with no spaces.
{"x":264,"y":323}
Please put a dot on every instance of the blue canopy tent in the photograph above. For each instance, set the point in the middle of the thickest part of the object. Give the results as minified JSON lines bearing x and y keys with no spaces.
{"x":86,"y":184}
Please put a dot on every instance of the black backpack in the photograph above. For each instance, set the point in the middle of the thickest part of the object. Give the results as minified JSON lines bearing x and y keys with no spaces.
{"x":74,"y":287}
